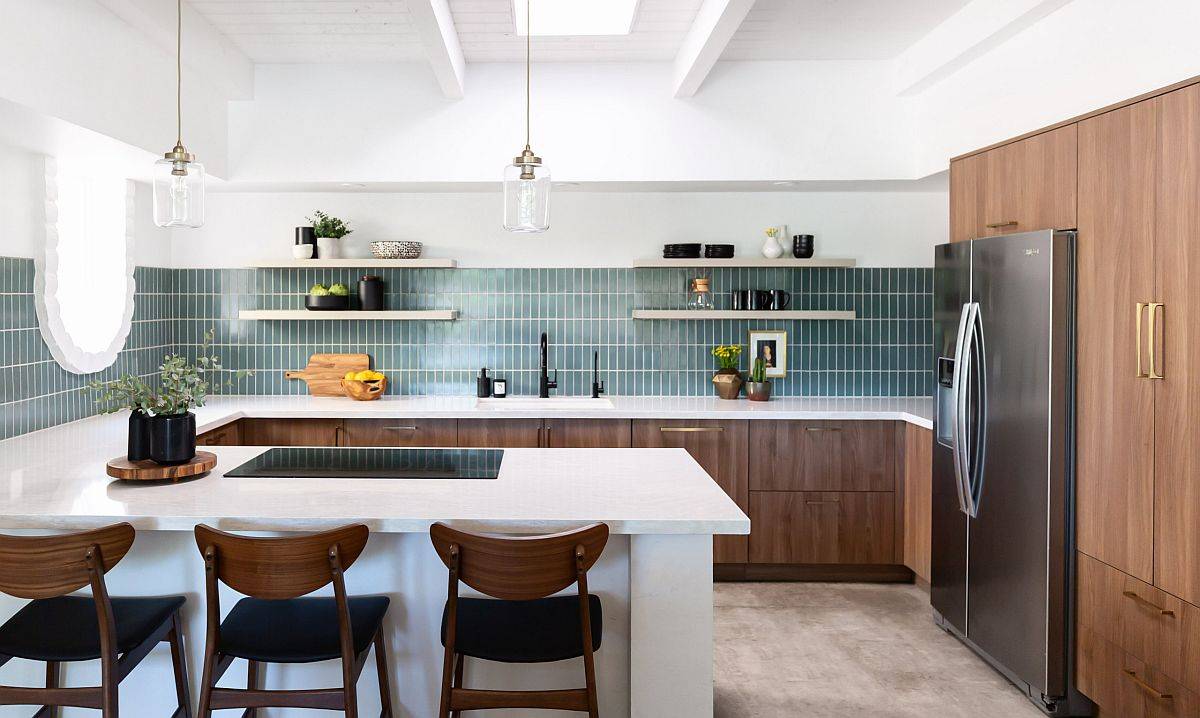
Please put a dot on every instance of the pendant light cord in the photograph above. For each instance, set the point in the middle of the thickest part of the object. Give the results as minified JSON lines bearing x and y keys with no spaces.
{"x":179,"y":72}
{"x":528,"y":55}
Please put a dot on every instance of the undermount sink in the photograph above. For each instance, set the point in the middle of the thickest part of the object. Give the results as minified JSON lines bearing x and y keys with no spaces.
{"x":554,"y":403}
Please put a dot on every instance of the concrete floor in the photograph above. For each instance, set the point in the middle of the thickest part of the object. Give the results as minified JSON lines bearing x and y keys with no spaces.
{"x":842,"y":650}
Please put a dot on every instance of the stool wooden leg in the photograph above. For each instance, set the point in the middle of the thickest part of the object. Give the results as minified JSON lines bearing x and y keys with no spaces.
{"x":385,"y":682}
{"x":53,"y":673}
{"x":460,"y":663}
{"x":183,"y":689}
{"x":253,"y":683}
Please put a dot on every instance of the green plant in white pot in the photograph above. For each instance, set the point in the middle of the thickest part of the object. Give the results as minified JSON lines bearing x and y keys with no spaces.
{"x":329,"y":231}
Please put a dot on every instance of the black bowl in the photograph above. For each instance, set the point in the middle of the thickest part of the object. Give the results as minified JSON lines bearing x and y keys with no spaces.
{"x":326,"y":303}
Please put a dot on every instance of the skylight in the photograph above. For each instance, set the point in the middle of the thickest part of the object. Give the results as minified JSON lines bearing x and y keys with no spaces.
{"x":577,"y":17}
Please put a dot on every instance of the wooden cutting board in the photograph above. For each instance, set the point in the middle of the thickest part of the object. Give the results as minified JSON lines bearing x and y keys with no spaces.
{"x":325,"y":371}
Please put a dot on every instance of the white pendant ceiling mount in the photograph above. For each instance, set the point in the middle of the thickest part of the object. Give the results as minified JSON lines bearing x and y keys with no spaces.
{"x":178,"y":177}
{"x":526,"y":180}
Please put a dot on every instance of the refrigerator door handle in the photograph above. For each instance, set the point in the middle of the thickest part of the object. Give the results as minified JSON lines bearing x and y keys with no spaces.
{"x":962,"y":362}
{"x":977,"y":381}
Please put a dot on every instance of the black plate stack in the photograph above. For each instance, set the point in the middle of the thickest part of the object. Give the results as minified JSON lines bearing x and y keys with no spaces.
{"x":681,"y":251}
{"x":718,"y":251}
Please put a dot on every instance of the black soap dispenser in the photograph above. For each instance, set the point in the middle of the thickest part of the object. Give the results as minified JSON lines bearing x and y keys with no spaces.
{"x":483,"y":384}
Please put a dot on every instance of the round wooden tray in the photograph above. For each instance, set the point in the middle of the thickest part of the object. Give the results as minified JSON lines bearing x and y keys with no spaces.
{"x":123,"y":468}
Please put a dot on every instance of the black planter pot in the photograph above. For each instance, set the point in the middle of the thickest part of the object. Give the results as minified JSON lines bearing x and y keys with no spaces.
{"x":802,"y":246}
{"x":139,"y":436}
{"x":173,"y":438}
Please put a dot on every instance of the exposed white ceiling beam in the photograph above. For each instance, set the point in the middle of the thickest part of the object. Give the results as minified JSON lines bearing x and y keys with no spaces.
{"x":714,"y":26}
{"x":435,"y":26}
{"x":205,"y":49}
{"x":970,"y":33}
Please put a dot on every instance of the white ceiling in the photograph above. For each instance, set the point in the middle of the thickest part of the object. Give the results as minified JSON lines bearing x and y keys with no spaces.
{"x":291,"y":31}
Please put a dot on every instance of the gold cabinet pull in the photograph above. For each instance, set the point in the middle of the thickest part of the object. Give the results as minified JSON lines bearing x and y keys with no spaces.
{"x":1154,"y":692}
{"x":690,"y":429}
{"x":403,"y":428}
{"x":1154,"y":308}
{"x":1137,"y":341}
{"x":1000,"y":225}
{"x":815,"y":502}
{"x":822,"y":428}
{"x":1143,"y":602}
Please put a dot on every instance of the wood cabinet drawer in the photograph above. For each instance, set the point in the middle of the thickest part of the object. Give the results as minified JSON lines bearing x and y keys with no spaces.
{"x":586,"y":433}
{"x":822,"y":456}
{"x":228,"y":435}
{"x":291,"y":432}
{"x":1148,"y":624}
{"x":500,"y":433}
{"x":400,"y":432}
{"x":1125,"y":686}
{"x":822,"y":527}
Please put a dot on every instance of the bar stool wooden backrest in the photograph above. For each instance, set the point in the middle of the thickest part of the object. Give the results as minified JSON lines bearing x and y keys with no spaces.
{"x":36,"y":567}
{"x":520,"y":568}
{"x":278,"y":568}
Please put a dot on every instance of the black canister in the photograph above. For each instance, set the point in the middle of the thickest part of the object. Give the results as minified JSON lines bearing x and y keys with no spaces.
{"x":173,"y":438}
{"x":307,"y":235}
{"x":139,"y":436}
{"x":802,"y":246}
{"x":483,"y":384}
{"x":370,"y":293}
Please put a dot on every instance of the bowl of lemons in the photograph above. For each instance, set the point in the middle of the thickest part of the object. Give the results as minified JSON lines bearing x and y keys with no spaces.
{"x":364,"y":385}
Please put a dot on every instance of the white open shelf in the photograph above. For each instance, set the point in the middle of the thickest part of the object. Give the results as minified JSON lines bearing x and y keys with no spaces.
{"x":740,"y":314}
{"x":782,"y":262}
{"x":354,"y":262}
{"x":428,"y":315}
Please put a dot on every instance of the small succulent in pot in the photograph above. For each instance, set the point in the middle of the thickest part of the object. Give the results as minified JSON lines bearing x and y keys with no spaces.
{"x":758,"y":388}
{"x":727,"y":380}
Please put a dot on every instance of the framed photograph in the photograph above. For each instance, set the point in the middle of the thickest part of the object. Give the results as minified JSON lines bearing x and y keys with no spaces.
{"x":771,"y":347}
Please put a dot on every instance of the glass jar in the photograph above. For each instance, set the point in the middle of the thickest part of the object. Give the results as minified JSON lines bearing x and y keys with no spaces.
{"x":700,"y":297}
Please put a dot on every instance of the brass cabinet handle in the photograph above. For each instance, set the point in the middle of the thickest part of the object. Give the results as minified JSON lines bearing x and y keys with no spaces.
{"x":1143,"y":602}
{"x":1137,"y":330}
{"x":1133,"y":676}
{"x":1153,"y":308}
{"x":691,"y":429}
{"x":403,"y":428}
{"x":822,"y":428}
{"x":815,"y":502}
{"x":337,"y":436}
{"x":998,"y":225}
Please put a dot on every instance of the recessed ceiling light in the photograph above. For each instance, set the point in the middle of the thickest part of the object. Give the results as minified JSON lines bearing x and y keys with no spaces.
{"x":784,"y":183}
{"x":578,"y":17}
{"x":353,"y":185}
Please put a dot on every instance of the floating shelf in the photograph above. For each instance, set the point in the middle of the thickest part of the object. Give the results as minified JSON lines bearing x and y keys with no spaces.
{"x":428,"y":315}
{"x":781,"y":263}
{"x":739,"y":314}
{"x":354,"y":262}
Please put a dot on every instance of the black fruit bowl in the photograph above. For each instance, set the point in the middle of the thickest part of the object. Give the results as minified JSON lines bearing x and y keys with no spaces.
{"x":326,"y":303}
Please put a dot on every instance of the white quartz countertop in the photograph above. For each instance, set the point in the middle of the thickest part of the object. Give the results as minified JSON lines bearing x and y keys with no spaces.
{"x":223,"y":410}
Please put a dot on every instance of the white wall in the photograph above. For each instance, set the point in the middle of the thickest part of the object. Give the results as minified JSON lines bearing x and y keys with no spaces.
{"x":598,"y":229}
{"x":593,"y":122}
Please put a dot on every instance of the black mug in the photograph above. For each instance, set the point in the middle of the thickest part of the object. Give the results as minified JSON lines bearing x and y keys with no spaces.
{"x":778,"y":299}
{"x":749,"y":299}
{"x":802,"y":246}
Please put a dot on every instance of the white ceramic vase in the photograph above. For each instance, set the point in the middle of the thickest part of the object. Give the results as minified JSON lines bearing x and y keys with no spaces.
{"x":327,"y":248}
{"x":771,"y":249}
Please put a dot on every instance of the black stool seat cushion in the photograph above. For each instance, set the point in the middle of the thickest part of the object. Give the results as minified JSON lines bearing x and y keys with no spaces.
{"x":540,"y":631}
{"x":65,"y":628}
{"x":298,"y":630}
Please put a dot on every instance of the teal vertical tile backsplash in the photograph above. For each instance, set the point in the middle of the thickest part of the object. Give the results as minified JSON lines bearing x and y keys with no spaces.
{"x":886,"y":351}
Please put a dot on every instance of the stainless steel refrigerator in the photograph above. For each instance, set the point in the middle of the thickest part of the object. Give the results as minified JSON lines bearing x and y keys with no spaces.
{"x":1002,"y":457}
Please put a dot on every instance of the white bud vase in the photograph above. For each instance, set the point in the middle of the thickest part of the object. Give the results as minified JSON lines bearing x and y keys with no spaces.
{"x":772,"y":249}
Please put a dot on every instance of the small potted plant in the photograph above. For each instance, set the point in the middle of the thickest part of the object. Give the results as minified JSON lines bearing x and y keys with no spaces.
{"x":758,"y":388}
{"x":328,"y":230}
{"x":727,"y":380}
{"x":129,"y":392}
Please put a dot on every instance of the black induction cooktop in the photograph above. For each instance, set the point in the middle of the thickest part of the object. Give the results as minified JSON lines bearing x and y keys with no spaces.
{"x":376,"y":463}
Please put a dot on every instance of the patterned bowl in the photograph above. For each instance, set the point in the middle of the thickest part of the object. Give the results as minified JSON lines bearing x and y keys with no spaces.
{"x":389,"y":249}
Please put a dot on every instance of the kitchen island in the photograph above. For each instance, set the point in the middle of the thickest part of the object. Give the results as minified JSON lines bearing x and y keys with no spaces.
{"x":655,"y":577}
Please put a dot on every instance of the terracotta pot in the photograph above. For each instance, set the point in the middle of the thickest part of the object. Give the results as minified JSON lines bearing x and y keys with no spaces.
{"x":758,"y":390}
{"x":728,"y":383}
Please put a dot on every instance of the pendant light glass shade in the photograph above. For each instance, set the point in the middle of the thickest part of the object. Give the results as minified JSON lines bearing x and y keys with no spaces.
{"x":178,"y":177}
{"x":526,"y":201}
{"x":178,"y":193}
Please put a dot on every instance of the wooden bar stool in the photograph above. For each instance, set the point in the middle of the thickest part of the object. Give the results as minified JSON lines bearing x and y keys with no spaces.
{"x":274,"y":625}
{"x":57,"y":628}
{"x":528,"y":624}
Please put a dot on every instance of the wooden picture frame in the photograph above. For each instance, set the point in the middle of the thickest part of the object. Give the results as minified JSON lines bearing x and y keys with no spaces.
{"x":772,"y":346}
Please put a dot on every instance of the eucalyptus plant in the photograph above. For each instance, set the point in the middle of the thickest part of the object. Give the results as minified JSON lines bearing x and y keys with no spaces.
{"x":326,"y":226}
{"x":127,"y":392}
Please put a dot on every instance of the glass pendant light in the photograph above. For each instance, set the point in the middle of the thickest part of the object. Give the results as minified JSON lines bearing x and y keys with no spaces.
{"x":178,"y":177}
{"x":526,"y":181}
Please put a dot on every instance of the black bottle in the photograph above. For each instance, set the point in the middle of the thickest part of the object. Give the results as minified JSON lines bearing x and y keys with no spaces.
{"x":483,"y":384}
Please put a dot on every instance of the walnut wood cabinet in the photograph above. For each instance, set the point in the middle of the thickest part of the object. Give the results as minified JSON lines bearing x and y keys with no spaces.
{"x":400,"y":432}
{"x":914,"y":465}
{"x":228,"y":435}
{"x":822,"y":456}
{"x":291,"y":432}
{"x":500,"y":433}
{"x":805,"y":527}
{"x":546,"y":433}
{"x":718,"y":446}
{"x":1017,"y":187}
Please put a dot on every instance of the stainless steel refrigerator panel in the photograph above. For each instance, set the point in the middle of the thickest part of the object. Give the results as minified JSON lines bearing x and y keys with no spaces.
{"x":1015,"y":583}
{"x":948,"y":579}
